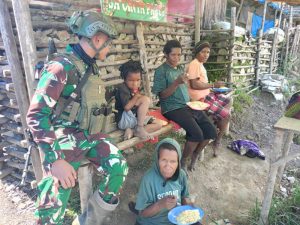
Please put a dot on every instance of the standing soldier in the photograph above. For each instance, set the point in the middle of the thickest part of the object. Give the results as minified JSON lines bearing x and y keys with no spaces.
{"x":67,"y":127}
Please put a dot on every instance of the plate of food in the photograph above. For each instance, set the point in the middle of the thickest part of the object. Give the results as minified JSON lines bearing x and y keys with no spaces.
{"x":198,"y":105}
{"x":221,"y":89}
{"x":185,"y":215}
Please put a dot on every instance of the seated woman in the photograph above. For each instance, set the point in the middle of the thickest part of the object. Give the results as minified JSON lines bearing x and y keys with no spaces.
{"x":163,"y":187}
{"x":132,"y":105}
{"x":170,"y":86}
{"x":199,"y":90}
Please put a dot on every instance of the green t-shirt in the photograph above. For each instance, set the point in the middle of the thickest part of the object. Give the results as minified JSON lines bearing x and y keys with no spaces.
{"x":154,"y":187}
{"x":164,"y":76}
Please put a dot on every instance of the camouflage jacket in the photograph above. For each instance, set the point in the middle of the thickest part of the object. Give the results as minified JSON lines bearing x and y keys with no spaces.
{"x":59,"y":78}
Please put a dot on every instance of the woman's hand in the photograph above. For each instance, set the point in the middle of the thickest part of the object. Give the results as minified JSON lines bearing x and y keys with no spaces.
{"x":219,"y":84}
{"x":168,"y":202}
{"x":182,"y":79}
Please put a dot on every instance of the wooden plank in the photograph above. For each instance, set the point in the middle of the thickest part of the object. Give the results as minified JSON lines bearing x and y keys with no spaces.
{"x":5,"y":172}
{"x":19,"y":166}
{"x":16,"y":151}
{"x":231,"y":50}
{"x":28,"y":49}
{"x":288,"y":124}
{"x":143,"y":58}
{"x":133,"y":141}
{"x":13,"y":56}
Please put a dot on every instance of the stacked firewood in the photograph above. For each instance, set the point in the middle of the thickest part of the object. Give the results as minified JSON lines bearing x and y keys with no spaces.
{"x":13,"y":145}
{"x":244,"y":62}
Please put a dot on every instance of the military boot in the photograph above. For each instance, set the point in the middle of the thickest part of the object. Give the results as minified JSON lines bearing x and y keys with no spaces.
{"x":97,"y":212}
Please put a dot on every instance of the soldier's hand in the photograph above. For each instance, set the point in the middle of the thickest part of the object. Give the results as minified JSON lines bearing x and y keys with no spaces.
{"x":168,"y":202}
{"x":64,"y":172}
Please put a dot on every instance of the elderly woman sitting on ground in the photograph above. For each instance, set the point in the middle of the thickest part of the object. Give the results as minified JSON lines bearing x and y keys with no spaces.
{"x":163,"y":187}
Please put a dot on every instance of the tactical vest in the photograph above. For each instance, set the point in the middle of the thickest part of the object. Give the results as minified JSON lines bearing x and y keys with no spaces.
{"x":90,"y":110}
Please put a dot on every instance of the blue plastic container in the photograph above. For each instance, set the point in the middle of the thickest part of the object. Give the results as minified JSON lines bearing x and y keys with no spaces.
{"x":221,"y":90}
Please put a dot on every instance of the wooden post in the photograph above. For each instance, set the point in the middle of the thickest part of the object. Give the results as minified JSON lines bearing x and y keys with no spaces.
{"x":232,"y":27}
{"x":27,"y":42}
{"x":13,"y":60}
{"x":263,"y":220}
{"x":143,"y":57}
{"x":259,"y":40}
{"x":197,"y":21}
{"x":239,"y":10}
{"x":280,"y":162}
{"x":273,"y":54}
{"x":17,"y":76}
{"x":285,"y":152}
{"x":287,"y":42}
{"x":264,"y":17}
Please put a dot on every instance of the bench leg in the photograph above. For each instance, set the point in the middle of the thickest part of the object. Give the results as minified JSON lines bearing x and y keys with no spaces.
{"x":85,"y":178}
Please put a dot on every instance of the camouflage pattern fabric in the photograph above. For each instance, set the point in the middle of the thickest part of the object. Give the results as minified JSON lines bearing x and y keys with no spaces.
{"x":64,"y":140}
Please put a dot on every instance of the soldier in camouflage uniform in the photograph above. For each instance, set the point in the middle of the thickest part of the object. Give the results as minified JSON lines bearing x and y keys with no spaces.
{"x":63,"y":143}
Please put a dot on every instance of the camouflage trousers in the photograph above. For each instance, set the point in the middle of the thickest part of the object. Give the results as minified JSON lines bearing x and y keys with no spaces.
{"x":52,"y":198}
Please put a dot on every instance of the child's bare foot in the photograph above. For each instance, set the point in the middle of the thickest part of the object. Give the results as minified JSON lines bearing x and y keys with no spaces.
{"x":140,"y":132}
{"x":128,"y":134}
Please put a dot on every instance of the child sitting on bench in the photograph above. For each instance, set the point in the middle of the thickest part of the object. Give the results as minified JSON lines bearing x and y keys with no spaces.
{"x":132,"y":105}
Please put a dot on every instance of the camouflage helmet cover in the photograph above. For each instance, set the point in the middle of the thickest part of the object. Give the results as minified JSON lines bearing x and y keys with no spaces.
{"x":88,"y":23}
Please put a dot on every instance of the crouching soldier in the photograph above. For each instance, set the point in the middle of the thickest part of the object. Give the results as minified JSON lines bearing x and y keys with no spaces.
{"x":66,"y":117}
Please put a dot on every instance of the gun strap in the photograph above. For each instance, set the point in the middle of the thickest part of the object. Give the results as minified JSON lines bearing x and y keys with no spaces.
{"x":76,"y":93}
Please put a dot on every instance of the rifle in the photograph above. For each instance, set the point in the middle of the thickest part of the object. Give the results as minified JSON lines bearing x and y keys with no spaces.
{"x":32,"y":144}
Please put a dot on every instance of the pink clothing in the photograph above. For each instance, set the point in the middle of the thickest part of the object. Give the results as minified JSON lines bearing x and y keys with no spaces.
{"x":196,"y":70}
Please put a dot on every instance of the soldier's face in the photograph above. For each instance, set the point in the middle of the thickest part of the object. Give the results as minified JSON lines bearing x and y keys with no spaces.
{"x":99,"y":41}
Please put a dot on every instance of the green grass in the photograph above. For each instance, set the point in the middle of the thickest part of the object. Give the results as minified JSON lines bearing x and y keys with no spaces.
{"x":283,"y":211}
{"x":241,"y":101}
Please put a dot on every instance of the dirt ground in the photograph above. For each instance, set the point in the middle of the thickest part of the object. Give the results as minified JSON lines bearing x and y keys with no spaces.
{"x":225,"y":187}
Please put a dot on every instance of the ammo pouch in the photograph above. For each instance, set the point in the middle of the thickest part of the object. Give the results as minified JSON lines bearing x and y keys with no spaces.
{"x":94,"y":110}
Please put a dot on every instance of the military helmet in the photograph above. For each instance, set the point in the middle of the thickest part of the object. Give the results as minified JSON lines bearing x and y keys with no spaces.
{"x":88,"y":23}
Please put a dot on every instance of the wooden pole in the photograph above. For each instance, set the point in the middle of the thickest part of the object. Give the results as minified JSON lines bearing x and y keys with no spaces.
{"x":279,"y":163}
{"x":143,"y":57}
{"x":13,"y":59}
{"x":239,"y":11}
{"x":285,"y":152}
{"x":263,"y":220}
{"x":287,"y":42}
{"x":231,"y":51}
{"x":27,"y":42}
{"x":197,"y":21}
{"x":259,"y":40}
{"x":273,"y":53}
{"x":17,"y":76}
{"x":264,"y":17}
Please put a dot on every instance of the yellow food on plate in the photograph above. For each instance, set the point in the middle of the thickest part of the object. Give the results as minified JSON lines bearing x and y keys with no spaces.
{"x":188,"y":216}
{"x":197,"y":105}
